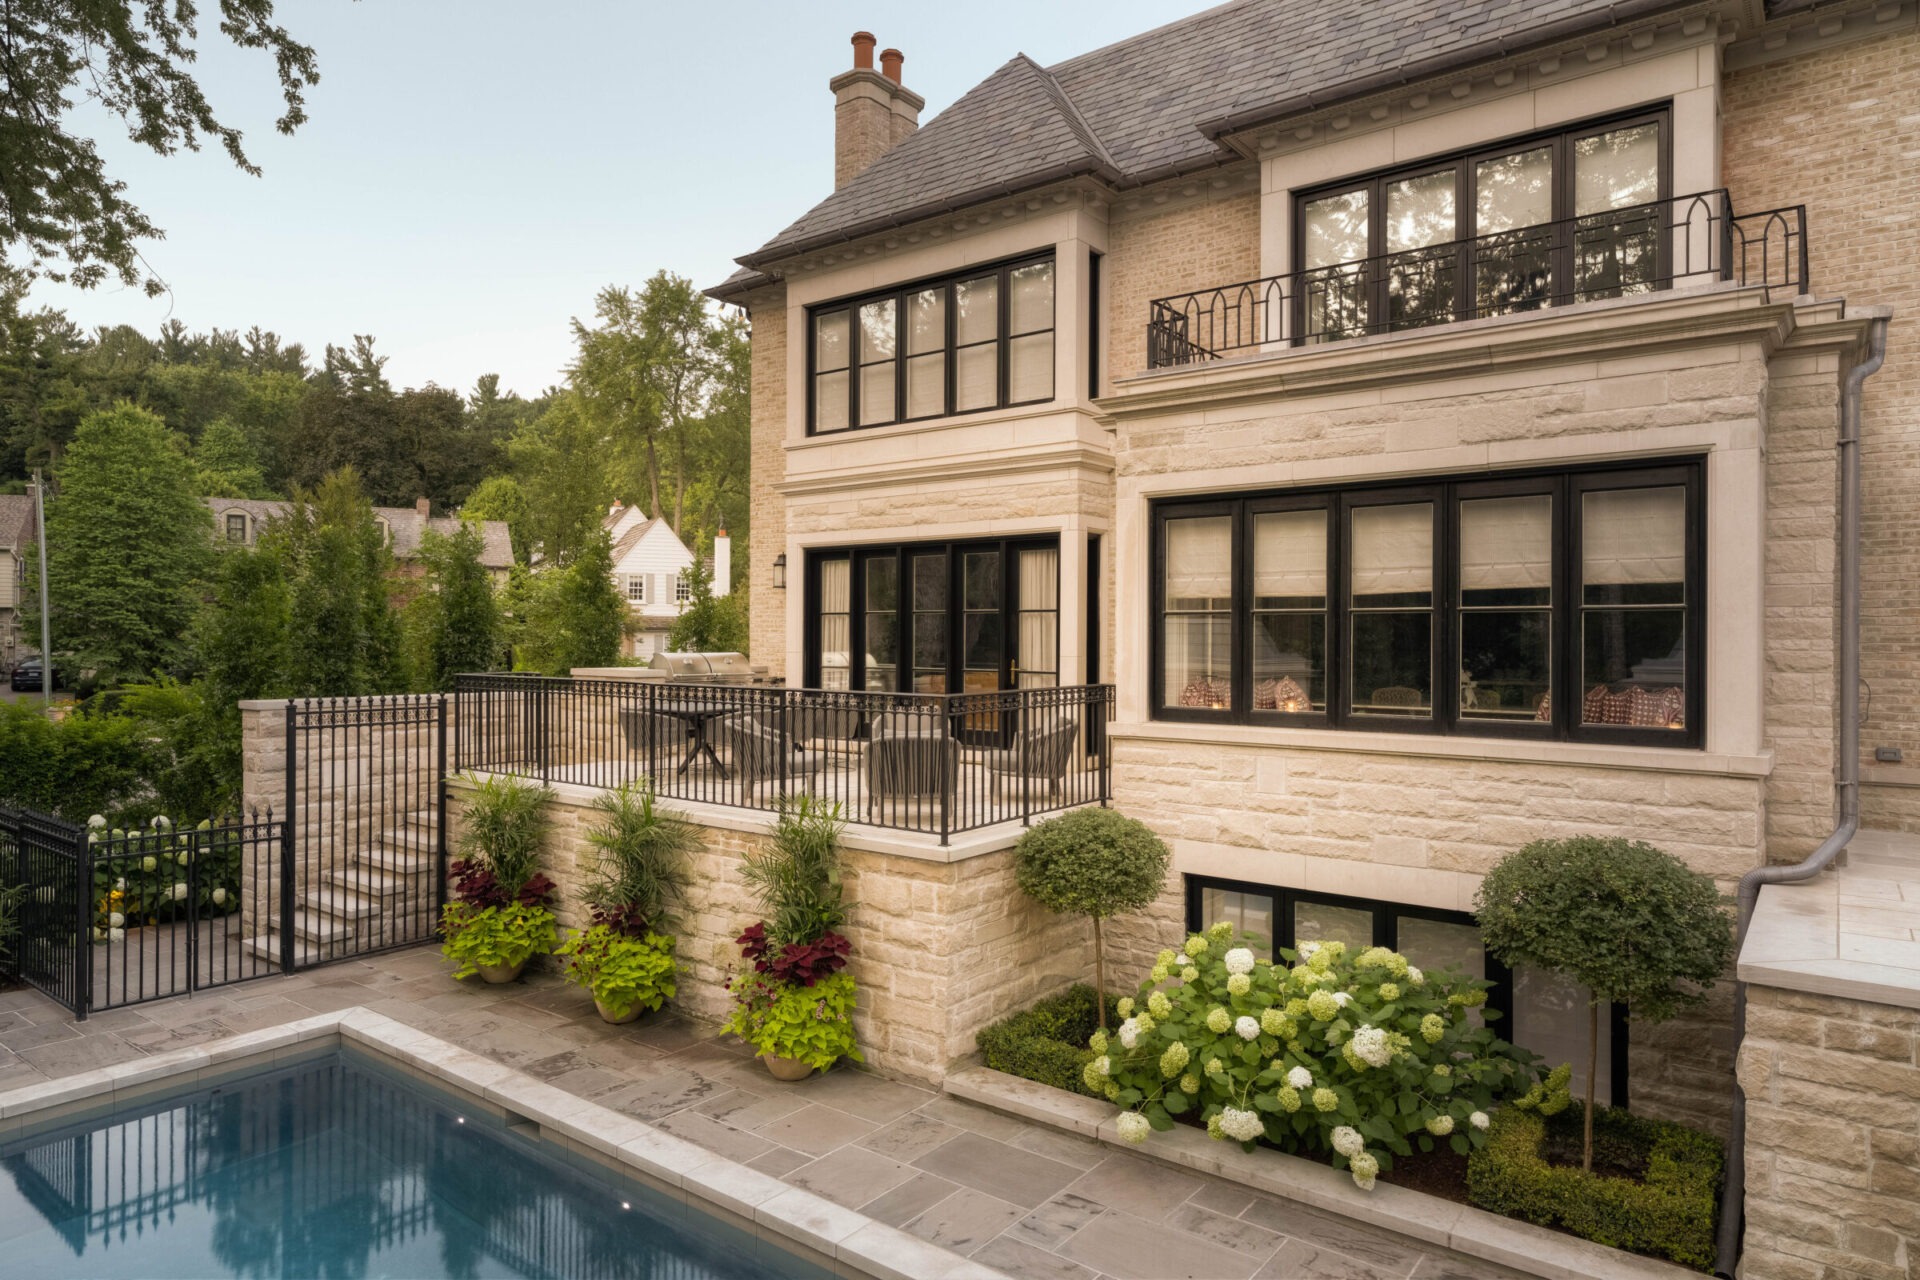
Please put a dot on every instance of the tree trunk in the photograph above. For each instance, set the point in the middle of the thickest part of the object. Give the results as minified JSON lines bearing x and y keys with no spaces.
{"x":1593,"y":1070}
{"x":1099,"y":975}
{"x":653,"y":480}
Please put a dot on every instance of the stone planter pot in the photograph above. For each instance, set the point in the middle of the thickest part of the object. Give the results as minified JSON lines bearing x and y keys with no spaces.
{"x":786,"y":1068}
{"x":607,"y":1015}
{"x":501,"y":973}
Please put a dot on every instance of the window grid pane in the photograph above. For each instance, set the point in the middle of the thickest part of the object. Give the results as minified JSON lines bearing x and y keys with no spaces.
{"x":1198,"y":653}
{"x":1390,"y":618}
{"x":1290,"y":611}
{"x":1506,"y":615}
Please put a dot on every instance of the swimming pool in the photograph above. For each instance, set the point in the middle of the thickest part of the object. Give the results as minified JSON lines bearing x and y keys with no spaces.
{"x":339,"y":1167}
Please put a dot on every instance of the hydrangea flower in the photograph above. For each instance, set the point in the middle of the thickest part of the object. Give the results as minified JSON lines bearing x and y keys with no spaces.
{"x":1219,"y":1021}
{"x":1196,"y":946}
{"x":1112,"y":1091}
{"x":1221,"y":931}
{"x":1306,"y":949}
{"x":1145,"y":1022}
{"x":1443,"y":1069}
{"x":1166,"y":957}
{"x":1348,"y":1142}
{"x":1095,"y":1072}
{"x":1214,"y":1130}
{"x":1322,"y":959}
{"x":1300,"y":1078}
{"x":162,"y":823}
{"x":1133,"y":1126}
{"x":1098,"y":1042}
{"x":1289,"y":1100}
{"x":1370,"y":1045}
{"x":1303,"y":975}
{"x":1174,"y":1060}
{"x":1246,"y":1028}
{"x":179,"y":891}
{"x":1325,"y":1099}
{"x":96,"y":822}
{"x":1416,"y":977}
{"x":1296,"y":1008}
{"x":1124,"y":1006}
{"x":1130,"y":1033}
{"x":1479,"y":1120}
{"x":1389,"y":991}
{"x":1241,"y":1126}
{"x":1441,"y":1125}
{"x":1341,"y":997}
{"x":1432,"y":1028}
{"x":115,"y":919}
{"x":1323,"y":1006}
{"x":149,"y":862}
{"x":219,"y":897}
{"x":1190,"y":1084}
{"x":1365,"y":1169}
{"x":1213,"y":1067}
{"x":1239,"y":960}
{"x":1189,"y":974}
{"x":1239,"y":984}
{"x":1159,"y":974}
{"x":1374,"y":958}
{"x":1273,"y":1022}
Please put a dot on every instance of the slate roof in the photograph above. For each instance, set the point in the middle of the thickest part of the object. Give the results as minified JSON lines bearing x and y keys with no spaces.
{"x":407,"y":524}
{"x":16,"y":519}
{"x":1154,"y":105}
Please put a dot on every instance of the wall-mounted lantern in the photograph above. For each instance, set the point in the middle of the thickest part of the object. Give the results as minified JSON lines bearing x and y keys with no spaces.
{"x":780,"y":572}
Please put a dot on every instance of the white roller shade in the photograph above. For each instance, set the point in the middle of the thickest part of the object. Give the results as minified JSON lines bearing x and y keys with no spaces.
{"x":1290,"y":554}
{"x":1506,"y":542}
{"x":1393,"y":549}
{"x":836,"y":579}
{"x":1200,"y":558}
{"x":1634,"y":536}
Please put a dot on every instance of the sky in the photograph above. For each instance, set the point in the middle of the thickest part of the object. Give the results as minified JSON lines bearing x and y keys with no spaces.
{"x":473,"y":171}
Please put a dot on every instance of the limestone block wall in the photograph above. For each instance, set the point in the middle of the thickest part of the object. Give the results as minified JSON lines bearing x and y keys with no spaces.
{"x":940,"y":949}
{"x":1832,"y":129}
{"x":1833,"y":1138}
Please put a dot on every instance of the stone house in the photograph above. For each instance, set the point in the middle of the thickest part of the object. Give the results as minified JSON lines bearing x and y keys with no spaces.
{"x":648,"y":561}
{"x":1429,"y":428}
{"x":17,"y":543}
{"x":240,"y":520}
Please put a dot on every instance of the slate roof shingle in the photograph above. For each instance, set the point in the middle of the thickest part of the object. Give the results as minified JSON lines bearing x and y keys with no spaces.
{"x":16,"y":520}
{"x":1152,"y":106}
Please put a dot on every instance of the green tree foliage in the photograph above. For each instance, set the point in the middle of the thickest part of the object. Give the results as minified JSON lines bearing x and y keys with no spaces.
{"x":569,"y":617}
{"x":1631,"y":923}
{"x":456,"y":613}
{"x":343,"y":637}
{"x":128,"y":544}
{"x":1096,"y":863}
{"x":225,"y":464}
{"x":560,"y":461}
{"x":78,"y":765}
{"x":61,"y":214}
{"x":502,"y":498}
{"x":711,"y":624}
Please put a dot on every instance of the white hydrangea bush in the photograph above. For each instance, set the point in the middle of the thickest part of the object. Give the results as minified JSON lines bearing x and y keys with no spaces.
{"x":1354,"y":1055}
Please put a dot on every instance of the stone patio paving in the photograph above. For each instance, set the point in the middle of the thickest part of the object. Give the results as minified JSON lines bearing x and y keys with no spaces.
{"x":1029,"y":1200}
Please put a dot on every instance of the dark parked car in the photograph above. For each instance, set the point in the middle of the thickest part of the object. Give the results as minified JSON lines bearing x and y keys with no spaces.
{"x":26,"y":676}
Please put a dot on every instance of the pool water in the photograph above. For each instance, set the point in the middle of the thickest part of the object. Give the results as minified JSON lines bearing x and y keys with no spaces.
{"x":339,"y":1168}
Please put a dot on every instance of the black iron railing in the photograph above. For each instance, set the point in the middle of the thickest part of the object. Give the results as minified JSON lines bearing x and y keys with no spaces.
{"x":933,"y":763}
{"x":1619,"y":253}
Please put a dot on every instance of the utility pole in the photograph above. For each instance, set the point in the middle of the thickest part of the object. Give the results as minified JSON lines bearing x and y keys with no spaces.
{"x":46,"y":628}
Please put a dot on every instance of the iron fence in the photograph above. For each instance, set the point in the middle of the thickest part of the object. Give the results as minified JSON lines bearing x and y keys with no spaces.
{"x":111,"y":917}
{"x":1617,"y":253}
{"x":939,"y":764}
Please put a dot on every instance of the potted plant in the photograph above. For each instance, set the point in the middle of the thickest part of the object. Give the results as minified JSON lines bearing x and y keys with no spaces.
{"x":795,"y":1006}
{"x":1092,"y":862}
{"x":500,"y":914}
{"x":625,"y":958}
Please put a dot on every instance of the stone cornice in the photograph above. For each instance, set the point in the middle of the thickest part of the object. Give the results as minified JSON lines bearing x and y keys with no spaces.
{"x":1005,"y":463}
{"x":1591,"y":331}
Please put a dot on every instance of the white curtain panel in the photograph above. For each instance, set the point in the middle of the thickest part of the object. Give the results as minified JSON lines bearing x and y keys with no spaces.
{"x":1393,"y":549}
{"x":1039,"y":644}
{"x":1634,"y":536}
{"x":1506,"y":542}
{"x":1290,"y":554}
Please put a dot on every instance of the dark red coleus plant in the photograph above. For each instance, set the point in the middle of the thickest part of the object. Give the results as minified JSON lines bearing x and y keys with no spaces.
{"x":799,"y":964}
{"x":473,"y":883}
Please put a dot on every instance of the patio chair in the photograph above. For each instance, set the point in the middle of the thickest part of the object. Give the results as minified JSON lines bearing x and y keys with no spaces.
{"x":760,"y":754}
{"x":829,"y":722}
{"x":906,"y":765}
{"x":1037,"y":754}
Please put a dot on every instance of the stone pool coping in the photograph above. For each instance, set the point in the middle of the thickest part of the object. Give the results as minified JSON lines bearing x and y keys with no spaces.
{"x":1464,"y":1229}
{"x":839,"y":1238}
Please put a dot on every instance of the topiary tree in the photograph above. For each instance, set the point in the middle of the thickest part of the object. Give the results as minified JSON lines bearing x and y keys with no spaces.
{"x":1632,"y":924}
{"x":1092,"y":862}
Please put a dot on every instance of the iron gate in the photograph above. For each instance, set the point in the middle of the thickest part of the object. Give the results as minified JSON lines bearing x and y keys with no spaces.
{"x":366,"y":811}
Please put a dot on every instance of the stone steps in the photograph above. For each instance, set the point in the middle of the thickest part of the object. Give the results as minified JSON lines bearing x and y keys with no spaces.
{"x":317,"y":926}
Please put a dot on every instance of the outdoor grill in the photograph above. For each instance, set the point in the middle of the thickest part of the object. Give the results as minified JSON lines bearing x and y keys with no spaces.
{"x":704,"y":668}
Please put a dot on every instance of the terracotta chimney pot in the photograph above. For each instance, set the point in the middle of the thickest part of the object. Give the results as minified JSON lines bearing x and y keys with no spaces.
{"x":890,"y":60}
{"x":863,"y":43}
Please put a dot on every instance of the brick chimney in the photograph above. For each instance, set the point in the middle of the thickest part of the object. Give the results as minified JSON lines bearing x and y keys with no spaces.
{"x":871,"y":109}
{"x":423,"y":506}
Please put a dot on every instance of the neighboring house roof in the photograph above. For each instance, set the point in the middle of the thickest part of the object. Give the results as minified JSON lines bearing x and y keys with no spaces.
{"x":16,"y":519}
{"x":631,"y":539}
{"x":406,"y":523}
{"x":1153,"y":106}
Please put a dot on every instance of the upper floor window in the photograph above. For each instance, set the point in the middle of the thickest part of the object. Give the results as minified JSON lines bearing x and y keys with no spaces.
{"x":682,"y":590}
{"x":982,"y":339}
{"x":637,"y":588}
{"x":1562,"y":605}
{"x":1570,"y":216}
{"x":236,"y":526}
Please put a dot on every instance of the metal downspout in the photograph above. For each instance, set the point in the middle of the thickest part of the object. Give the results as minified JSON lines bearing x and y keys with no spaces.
{"x":1846,"y":776}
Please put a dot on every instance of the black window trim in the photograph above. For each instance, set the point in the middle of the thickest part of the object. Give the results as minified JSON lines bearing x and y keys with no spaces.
{"x":1567,"y":678}
{"x":1386,"y":930}
{"x":898,"y":295}
{"x":1464,"y":164}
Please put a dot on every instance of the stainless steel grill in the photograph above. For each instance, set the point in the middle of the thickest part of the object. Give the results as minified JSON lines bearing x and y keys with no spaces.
{"x":704,"y":668}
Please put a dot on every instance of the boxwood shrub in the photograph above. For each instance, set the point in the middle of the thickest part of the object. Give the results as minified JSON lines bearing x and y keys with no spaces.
{"x":1047,"y":1043}
{"x":1667,"y":1212}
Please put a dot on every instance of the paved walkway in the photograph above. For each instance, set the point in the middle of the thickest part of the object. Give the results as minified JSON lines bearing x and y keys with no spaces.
{"x":1028,"y":1200}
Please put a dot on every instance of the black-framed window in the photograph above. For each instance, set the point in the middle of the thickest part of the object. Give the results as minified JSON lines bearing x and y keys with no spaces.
{"x":976,"y":340}
{"x":1560,"y":217}
{"x":935,"y":617}
{"x":1540,"y":1012}
{"x":1563,"y":605}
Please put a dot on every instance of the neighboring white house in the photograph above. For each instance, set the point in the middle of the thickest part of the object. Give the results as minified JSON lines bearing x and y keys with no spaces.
{"x":16,"y":544}
{"x":648,"y":558}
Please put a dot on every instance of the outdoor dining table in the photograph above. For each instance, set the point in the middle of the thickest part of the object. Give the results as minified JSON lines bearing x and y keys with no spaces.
{"x":698,"y":713}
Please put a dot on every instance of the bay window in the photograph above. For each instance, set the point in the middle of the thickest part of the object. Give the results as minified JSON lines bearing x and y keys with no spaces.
{"x":1561,"y":605}
{"x":982,"y":339}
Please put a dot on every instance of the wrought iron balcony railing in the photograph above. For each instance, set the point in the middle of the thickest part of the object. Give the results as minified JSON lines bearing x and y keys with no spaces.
{"x":1641,"y":249}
